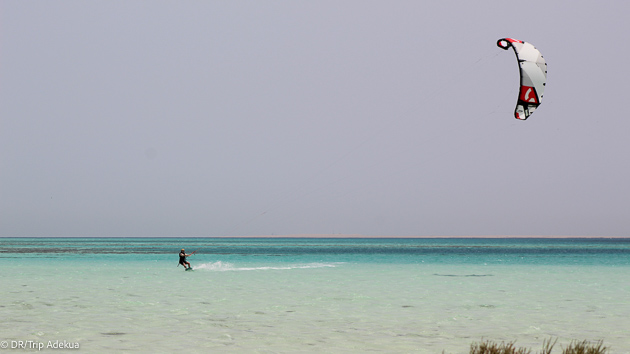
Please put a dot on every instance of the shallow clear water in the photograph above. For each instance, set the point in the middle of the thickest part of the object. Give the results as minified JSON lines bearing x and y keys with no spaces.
{"x":314,"y":295}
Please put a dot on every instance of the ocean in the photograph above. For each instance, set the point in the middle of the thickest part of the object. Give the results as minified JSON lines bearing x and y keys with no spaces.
{"x":311,"y":295}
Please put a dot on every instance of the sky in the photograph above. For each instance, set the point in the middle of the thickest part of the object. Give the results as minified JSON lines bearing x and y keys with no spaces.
{"x":376,"y":118}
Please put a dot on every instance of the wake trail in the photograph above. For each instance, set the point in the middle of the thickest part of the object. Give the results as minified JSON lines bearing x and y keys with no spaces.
{"x":229,"y":267}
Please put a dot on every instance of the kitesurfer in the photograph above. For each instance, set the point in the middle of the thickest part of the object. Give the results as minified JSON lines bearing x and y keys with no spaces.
{"x":182,"y":259}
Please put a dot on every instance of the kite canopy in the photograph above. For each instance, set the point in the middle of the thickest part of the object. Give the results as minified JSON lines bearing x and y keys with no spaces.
{"x":533,"y":70}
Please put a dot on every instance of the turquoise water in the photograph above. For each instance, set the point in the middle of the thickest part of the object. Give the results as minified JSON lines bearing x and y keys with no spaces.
{"x":278,"y":295}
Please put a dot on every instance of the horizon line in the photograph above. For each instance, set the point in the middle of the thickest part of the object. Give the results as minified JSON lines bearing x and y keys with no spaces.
{"x":341,"y":236}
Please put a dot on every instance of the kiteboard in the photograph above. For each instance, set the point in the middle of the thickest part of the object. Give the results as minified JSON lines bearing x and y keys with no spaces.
{"x":187,"y":269}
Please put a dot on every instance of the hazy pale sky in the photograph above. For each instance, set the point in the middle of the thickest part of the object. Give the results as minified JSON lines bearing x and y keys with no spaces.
{"x":225,"y":118}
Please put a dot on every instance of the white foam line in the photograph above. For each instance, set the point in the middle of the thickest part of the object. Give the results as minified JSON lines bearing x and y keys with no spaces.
{"x":225,"y":267}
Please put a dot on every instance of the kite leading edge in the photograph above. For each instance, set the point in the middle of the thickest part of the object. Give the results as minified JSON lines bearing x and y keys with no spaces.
{"x":533,"y":71}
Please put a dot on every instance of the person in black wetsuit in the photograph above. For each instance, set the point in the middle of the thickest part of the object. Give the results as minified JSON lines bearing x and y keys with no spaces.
{"x":182,"y":259}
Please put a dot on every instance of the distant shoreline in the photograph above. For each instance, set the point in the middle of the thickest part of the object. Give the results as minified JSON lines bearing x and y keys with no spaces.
{"x":364,"y":236}
{"x":346,"y":236}
{"x":419,"y":237}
